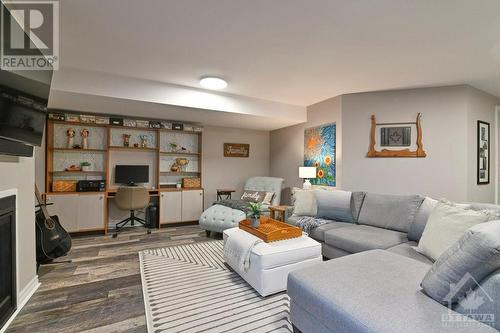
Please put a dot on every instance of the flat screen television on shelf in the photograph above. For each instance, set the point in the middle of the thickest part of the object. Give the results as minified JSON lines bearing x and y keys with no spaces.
{"x":131,"y":174}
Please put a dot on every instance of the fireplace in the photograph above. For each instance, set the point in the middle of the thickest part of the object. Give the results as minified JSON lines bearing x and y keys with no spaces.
{"x":8,"y":302}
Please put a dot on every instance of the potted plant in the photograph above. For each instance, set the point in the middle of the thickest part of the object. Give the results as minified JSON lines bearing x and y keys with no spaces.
{"x":255,"y":213}
{"x":173,"y":147}
{"x":85,"y":166}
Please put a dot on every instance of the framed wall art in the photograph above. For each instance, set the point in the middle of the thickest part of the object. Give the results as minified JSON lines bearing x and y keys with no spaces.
{"x":483,"y":152}
{"x":319,"y":151}
{"x":236,"y":150}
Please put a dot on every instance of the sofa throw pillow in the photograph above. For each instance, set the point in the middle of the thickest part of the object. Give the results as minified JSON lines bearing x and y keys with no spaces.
{"x":424,"y":211}
{"x":304,"y":202}
{"x":388,"y":211}
{"x":463,"y":265}
{"x":334,"y":205}
{"x":446,"y":224}
{"x":257,"y":196}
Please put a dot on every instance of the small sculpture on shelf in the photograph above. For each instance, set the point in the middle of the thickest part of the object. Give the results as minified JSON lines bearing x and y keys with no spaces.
{"x":126,"y":140}
{"x":179,"y":165}
{"x":144,"y":141}
{"x":71,"y":137}
{"x":85,"y":138}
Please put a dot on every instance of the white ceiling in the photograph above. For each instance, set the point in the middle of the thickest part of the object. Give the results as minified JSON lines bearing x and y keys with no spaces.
{"x":295,"y":52}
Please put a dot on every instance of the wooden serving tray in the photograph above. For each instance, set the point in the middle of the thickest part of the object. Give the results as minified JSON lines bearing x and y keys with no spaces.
{"x":271,"y":230}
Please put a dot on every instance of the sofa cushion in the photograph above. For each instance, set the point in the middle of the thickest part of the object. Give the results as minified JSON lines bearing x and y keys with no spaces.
{"x":395,"y":212}
{"x":304,"y":202}
{"x":318,"y":233}
{"x":374,"y":291}
{"x":473,"y":257}
{"x":334,"y":205}
{"x":490,"y":294}
{"x":359,"y":238}
{"x":408,"y":250}
{"x":447,"y":223}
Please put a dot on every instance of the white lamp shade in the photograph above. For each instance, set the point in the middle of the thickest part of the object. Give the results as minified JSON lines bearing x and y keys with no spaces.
{"x":307,"y":172}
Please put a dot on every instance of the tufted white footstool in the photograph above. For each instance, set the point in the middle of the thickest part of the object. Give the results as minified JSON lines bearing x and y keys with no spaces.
{"x":270,"y":263}
{"x":219,"y":218}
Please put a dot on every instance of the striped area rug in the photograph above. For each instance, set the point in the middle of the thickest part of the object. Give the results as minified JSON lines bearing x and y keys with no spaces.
{"x":188,"y":288}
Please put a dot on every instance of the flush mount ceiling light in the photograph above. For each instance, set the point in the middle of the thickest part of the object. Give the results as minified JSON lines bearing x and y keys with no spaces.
{"x":213,"y":82}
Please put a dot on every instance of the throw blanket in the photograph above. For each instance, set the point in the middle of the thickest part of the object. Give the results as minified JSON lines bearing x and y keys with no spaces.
{"x":237,"y":249}
{"x":235,"y":204}
{"x":308,"y":223}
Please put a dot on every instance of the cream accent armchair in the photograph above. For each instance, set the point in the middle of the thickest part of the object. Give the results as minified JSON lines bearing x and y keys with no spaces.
{"x":131,"y":198}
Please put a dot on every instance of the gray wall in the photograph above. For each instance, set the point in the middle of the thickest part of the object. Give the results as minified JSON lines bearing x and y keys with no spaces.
{"x":449,"y":120}
{"x":480,"y":106}
{"x":444,"y":120}
{"x":19,"y":173}
{"x":232,"y":172}
{"x":287,"y":144}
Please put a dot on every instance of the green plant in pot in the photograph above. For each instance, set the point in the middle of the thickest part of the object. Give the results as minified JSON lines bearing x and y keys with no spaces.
{"x":85,"y":166}
{"x":255,"y":209}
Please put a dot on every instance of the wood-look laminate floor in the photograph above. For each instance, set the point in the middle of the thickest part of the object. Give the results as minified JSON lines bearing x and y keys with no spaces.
{"x":100,"y":290}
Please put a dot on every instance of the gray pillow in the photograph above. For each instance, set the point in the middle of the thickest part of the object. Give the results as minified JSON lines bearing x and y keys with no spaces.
{"x":394,"y":212}
{"x":334,"y":205}
{"x":357,"y":199}
{"x":463,"y":265}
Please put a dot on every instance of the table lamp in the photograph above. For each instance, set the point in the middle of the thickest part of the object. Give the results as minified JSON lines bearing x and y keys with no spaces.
{"x":307,"y":173}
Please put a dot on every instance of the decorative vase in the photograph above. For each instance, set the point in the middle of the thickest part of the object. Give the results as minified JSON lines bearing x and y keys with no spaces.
{"x":126,"y":140}
{"x":255,"y":221}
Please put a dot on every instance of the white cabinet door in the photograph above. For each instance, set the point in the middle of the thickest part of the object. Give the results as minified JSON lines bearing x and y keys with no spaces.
{"x":90,"y":211}
{"x":65,"y":207}
{"x":171,"y":207}
{"x":192,"y":205}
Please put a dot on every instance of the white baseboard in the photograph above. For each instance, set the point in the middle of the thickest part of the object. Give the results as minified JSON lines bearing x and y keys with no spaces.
{"x":23,"y":298}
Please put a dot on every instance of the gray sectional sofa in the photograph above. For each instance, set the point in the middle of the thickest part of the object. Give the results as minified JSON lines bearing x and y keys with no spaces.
{"x":373,"y":285}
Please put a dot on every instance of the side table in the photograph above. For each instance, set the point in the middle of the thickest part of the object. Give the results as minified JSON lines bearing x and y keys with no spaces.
{"x":224,"y":192}
{"x":278,"y":212}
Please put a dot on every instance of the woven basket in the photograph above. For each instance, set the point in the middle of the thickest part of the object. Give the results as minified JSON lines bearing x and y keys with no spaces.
{"x":64,"y":186}
{"x":192,"y":182}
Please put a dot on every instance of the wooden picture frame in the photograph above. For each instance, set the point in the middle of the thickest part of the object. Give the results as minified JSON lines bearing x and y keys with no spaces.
{"x":419,"y":152}
{"x":483,"y":152}
{"x":236,"y":150}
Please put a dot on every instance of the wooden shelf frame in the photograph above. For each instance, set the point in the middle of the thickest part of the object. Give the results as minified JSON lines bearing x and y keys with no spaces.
{"x":109,"y":152}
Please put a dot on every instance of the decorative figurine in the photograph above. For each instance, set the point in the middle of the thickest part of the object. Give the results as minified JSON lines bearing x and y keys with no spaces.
{"x":126,"y":140}
{"x":144,"y":141}
{"x":71,"y":137}
{"x":179,"y":165}
{"x":85,"y":138}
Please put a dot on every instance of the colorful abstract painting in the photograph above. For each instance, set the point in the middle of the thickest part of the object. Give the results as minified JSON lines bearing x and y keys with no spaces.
{"x":319,"y":151}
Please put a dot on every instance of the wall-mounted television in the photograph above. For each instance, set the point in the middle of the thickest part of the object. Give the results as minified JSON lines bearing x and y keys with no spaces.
{"x":22,"y":117}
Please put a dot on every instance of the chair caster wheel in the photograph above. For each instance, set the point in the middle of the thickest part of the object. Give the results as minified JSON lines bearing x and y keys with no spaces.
{"x":149,"y":232}
{"x":114,"y":236}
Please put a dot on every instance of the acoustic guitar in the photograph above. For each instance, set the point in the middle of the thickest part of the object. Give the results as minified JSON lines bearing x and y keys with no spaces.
{"x":52,"y":241}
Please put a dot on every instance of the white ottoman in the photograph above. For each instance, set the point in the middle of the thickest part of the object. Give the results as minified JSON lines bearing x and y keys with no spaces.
{"x":270,"y":263}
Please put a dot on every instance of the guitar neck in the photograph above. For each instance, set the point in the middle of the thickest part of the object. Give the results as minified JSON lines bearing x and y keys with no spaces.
{"x":43,"y":207}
